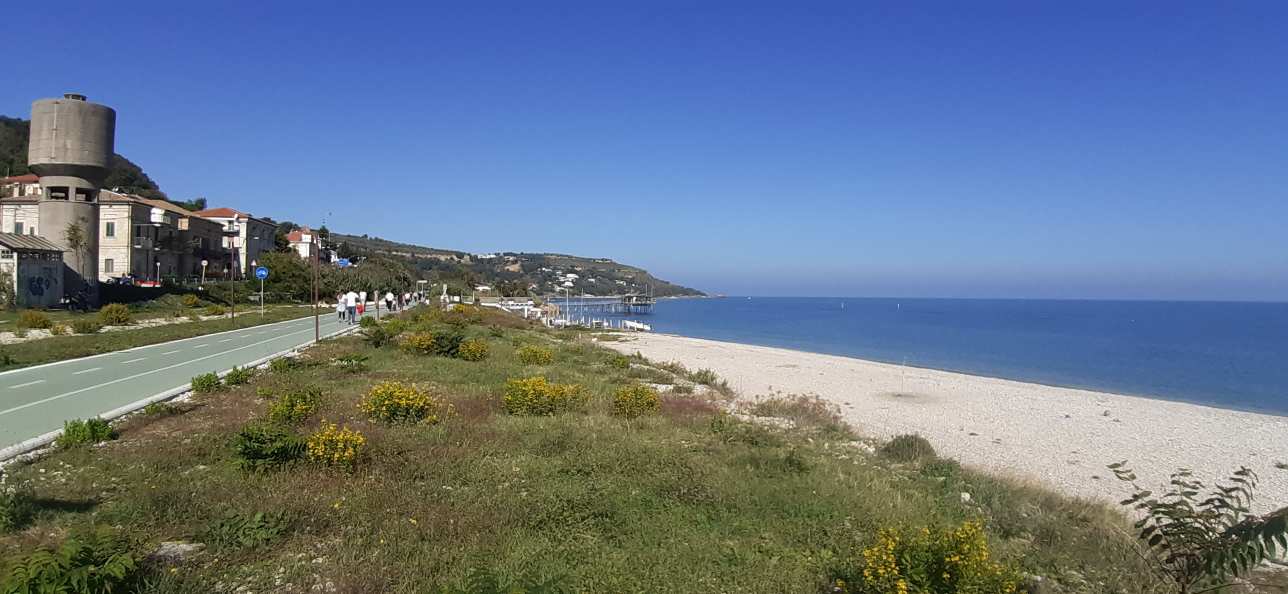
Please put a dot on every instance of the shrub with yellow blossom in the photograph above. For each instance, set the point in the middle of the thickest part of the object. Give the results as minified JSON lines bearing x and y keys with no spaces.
{"x":936,"y":562}
{"x":295,"y":405}
{"x":396,"y":402}
{"x":420,"y":343}
{"x":474,"y":349}
{"x":336,"y":446}
{"x":535,"y":355}
{"x":636,"y":400}
{"x":537,"y":396}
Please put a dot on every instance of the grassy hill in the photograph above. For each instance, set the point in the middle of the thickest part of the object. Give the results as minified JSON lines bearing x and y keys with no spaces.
{"x":515,"y":272}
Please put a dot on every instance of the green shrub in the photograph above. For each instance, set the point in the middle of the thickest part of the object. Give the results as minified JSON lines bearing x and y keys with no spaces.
{"x":16,"y":507}
{"x":246,"y":531}
{"x":537,"y":396}
{"x":160,"y":409}
{"x":239,"y":375}
{"x":58,"y":330}
{"x":619,"y":362}
{"x":420,"y":343}
{"x":207,"y":383}
{"x":395,"y":402}
{"x":377,"y":336}
{"x":535,"y":355}
{"x":395,"y":326}
{"x":368,"y":322}
{"x":214,"y":309}
{"x":933,"y":562}
{"x":194,"y":316}
{"x":94,"y":563}
{"x":84,"y":432}
{"x":475,"y":349}
{"x":1205,"y":541}
{"x":636,"y":400}
{"x":295,"y":405}
{"x":283,"y":364}
{"x":19,"y":332}
{"x":35,"y":320}
{"x":190,"y":301}
{"x":682,"y":389}
{"x":908,"y":448}
{"x":353,"y":363}
{"x":115,"y":314}
{"x":259,"y":446}
{"x":448,"y":343}
{"x":944,"y":468}
{"x":86,"y":326}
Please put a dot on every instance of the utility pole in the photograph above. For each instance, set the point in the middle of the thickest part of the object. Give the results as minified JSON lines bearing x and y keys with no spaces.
{"x":317,"y":328}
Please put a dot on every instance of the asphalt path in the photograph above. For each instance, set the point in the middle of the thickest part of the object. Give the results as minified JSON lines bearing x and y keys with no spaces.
{"x":36,"y":400}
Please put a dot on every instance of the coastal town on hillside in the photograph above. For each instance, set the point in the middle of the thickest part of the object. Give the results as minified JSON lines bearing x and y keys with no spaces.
{"x":145,"y":241}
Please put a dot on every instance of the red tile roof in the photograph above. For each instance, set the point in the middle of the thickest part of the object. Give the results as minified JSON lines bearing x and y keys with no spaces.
{"x":224,"y":212}
{"x":29,"y":178}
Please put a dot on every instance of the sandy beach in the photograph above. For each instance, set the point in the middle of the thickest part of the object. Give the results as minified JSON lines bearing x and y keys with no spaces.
{"x":1060,"y":437}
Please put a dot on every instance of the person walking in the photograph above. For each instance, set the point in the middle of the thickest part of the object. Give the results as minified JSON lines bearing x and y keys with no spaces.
{"x":351,"y":306}
{"x":389,"y":300}
{"x":340,"y":309}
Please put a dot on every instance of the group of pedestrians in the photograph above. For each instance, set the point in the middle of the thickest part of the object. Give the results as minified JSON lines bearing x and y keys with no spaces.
{"x":350,"y":306}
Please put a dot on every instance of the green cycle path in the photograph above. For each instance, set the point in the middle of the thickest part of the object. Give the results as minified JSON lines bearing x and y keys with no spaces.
{"x":36,"y":400}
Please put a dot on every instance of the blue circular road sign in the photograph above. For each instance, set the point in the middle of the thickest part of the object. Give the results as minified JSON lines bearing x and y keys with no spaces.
{"x":342,"y":262}
{"x":261,"y":272}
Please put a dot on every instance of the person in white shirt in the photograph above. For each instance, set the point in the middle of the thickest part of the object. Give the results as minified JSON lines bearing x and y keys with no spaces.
{"x":340,"y":309}
{"x":389,"y":300}
{"x":351,"y":304}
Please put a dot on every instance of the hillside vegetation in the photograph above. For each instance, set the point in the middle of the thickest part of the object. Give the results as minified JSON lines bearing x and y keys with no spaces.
{"x":125,"y":175}
{"x":515,"y":273}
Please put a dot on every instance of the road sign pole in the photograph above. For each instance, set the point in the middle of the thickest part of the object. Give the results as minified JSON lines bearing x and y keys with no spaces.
{"x":261,"y":297}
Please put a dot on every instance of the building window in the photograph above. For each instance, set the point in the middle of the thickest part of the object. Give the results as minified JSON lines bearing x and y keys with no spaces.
{"x":109,"y":265}
{"x":109,"y":229}
{"x":86,"y":194}
{"x":57,"y":192}
{"x":17,"y":228}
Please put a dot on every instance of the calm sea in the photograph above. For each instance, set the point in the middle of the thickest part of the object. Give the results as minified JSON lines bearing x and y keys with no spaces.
{"x":1232,"y":355}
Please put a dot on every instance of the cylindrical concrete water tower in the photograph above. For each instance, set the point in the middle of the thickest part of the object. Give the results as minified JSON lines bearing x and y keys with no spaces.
{"x":71,"y":148}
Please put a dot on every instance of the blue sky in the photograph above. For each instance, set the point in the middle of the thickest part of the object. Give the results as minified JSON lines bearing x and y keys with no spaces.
{"x":1067,"y":150}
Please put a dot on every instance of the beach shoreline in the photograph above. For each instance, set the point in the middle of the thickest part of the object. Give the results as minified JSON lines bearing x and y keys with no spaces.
{"x":1062,"y":438}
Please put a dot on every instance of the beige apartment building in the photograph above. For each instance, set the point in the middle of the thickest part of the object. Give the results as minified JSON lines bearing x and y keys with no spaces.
{"x":151,"y":239}
{"x":139,"y":237}
{"x":244,"y":236}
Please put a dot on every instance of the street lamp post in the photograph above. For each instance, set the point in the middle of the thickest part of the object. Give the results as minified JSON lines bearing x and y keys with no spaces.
{"x":204,"y":263}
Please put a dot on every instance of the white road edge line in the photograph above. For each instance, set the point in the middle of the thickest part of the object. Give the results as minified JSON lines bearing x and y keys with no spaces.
{"x":138,"y":375}
{"x":170,"y":352}
{"x":10,"y":453}
{"x":26,"y":384}
{"x":226,"y":340}
{"x":134,"y":360}
{"x":200,"y":346}
{"x":150,"y":346}
{"x":90,"y":370}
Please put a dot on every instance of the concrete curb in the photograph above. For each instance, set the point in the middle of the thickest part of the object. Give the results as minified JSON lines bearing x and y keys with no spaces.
{"x":19,"y":450}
